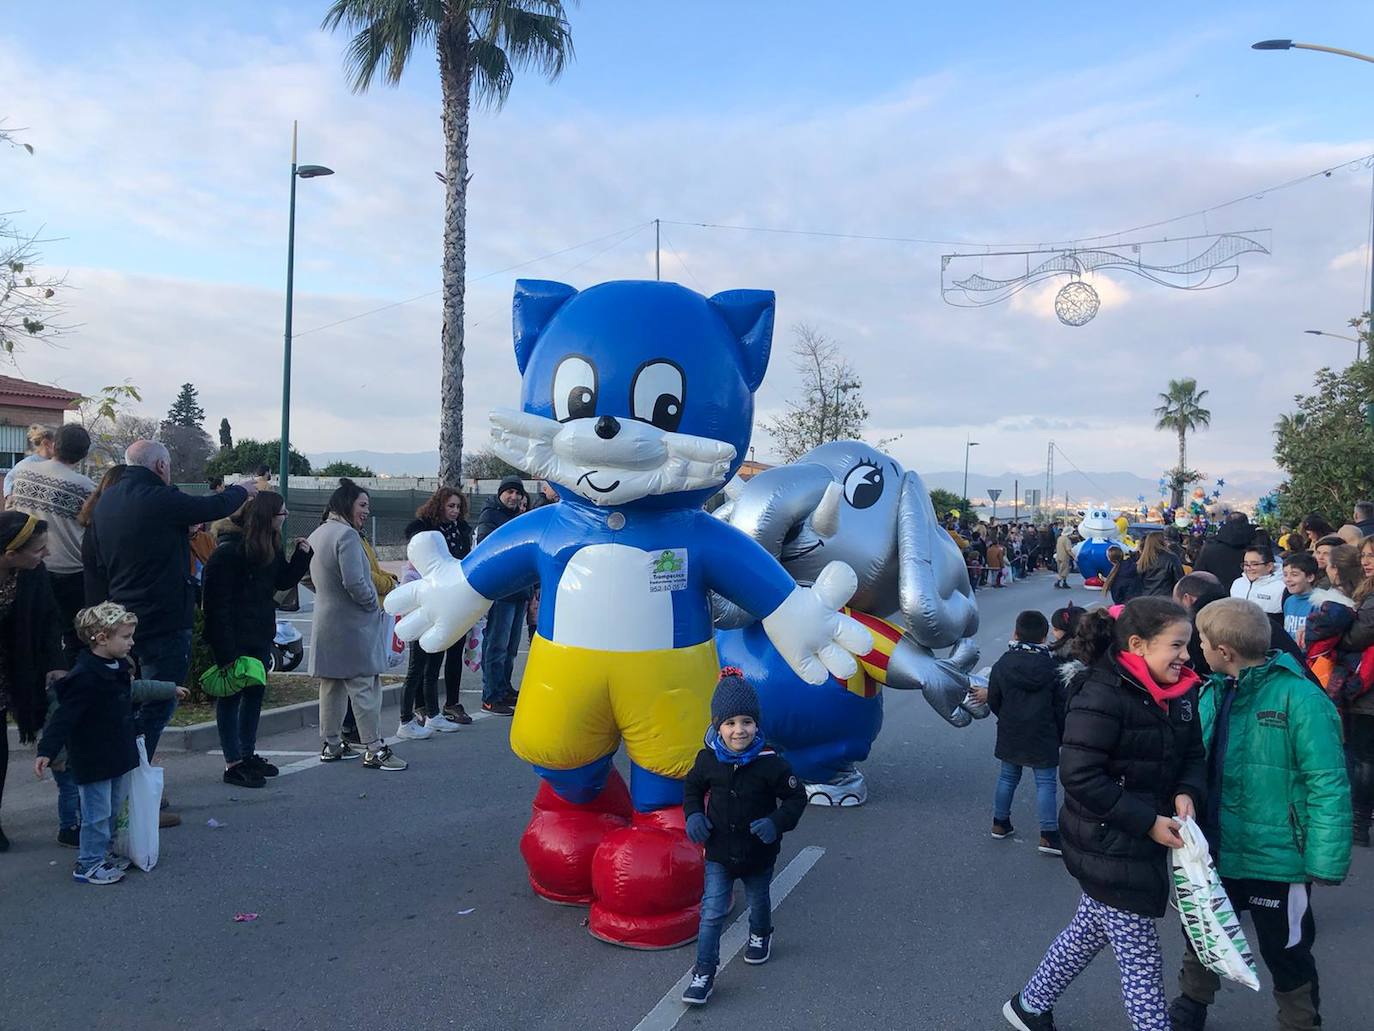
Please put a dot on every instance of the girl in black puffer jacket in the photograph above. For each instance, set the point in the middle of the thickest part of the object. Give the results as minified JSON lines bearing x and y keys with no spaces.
{"x":1132,"y":754}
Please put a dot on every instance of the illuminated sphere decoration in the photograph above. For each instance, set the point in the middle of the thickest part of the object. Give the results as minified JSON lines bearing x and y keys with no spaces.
{"x":1076,"y":303}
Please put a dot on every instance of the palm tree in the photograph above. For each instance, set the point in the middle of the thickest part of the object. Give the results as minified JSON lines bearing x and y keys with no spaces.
{"x":479,"y":43}
{"x":1182,"y":412}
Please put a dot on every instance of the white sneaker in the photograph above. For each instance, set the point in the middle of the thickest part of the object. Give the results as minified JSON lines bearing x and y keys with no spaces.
{"x":413,"y":731}
{"x":441,"y":725}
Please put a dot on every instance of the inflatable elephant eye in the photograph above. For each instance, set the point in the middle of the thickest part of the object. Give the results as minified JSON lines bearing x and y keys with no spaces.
{"x":657,"y":395}
{"x":574,"y":389}
{"x":863,"y":485}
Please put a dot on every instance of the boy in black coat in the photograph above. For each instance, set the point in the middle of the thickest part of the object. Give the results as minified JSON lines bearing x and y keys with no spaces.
{"x":740,"y":798}
{"x":94,"y":721}
{"x":1027,"y":695}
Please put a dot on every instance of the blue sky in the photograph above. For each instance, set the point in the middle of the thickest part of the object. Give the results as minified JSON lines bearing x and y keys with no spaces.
{"x":163,"y":130}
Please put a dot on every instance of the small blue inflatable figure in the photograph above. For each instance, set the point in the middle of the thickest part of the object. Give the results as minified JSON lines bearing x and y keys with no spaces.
{"x":1099,"y":532}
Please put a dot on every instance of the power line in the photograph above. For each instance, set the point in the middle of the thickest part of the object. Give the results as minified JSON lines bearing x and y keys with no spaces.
{"x":1355,"y":164}
{"x":1100,"y":488}
{"x":683,"y":263}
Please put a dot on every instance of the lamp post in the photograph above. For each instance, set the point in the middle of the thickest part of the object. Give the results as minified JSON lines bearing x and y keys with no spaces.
{"x":1288,"y":44}
{"x":1339,"y":336}
{"x":297,"y":172}
{"x":967,"y":445}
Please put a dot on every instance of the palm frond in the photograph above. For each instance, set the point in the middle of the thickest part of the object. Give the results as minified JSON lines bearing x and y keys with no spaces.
{"x":388,"y":31}
{"x":527,"y":33}
{"x":492,"y":76}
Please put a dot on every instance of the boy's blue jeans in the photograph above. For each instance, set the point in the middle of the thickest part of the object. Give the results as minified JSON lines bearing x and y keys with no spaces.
{"x":100,"y":805}
{"x":715,"y":906}
{"x":1046,"y":786}
{"x":68,"y":799}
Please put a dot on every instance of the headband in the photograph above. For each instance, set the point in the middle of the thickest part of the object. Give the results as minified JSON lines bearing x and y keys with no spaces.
{"x":22,"y":537}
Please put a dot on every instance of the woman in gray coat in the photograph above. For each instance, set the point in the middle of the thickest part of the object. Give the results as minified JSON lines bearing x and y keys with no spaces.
{"x":350,"y":639}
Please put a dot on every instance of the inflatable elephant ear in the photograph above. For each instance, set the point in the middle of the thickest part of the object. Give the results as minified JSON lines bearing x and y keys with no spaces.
{"x":933,"y":580}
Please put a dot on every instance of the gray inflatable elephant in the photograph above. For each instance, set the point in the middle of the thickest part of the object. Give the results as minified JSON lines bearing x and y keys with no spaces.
{"x":848,"y":501}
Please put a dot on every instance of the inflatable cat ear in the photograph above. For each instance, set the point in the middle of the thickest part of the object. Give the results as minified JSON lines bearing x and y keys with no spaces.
{"x":749,"y":314}
{"x":536,"y":303}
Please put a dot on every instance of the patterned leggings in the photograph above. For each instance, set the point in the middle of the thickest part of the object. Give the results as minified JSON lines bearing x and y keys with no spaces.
{"x":1136,"y":944}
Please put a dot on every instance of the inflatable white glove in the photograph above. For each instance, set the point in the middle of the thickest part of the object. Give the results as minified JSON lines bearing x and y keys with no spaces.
{"x":810,"y":632}
{"x":441,"y":606}
{"x":943,"y":682}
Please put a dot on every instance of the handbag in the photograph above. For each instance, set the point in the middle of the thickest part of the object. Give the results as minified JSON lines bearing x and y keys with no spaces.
{"x":223,"y":682}
{"x":136,"y":830}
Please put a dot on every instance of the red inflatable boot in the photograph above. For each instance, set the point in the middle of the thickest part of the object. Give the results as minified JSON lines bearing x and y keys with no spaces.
{"x":647,"y":879}
{"x":562,"y":837}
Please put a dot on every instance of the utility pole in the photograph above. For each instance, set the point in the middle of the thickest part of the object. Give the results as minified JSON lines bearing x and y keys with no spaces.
{"x":1049,"y":475}
{"x":1016,"y":501}
{"x":657,"y":247}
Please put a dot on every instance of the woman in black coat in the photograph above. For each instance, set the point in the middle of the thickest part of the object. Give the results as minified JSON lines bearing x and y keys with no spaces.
{"x":30,"y":632}
{"x":1131,"y":760}
{"x":242,"y":578}
{"x":1160,"y":569}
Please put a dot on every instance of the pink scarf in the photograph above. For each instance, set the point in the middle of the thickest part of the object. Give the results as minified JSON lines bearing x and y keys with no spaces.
{"x":1135,"y":666}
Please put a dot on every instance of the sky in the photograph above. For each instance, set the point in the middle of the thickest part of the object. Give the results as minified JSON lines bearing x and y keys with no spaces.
{"x":161,"y":172}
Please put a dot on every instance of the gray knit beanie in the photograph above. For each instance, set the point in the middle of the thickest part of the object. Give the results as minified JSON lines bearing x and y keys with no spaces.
{"x":734,"y":697}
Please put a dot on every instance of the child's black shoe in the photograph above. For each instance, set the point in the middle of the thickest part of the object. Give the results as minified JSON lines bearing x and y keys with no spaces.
{"x":759,"y":948}
{"x":1050,"y":844}
{"x":1023,"y":1019}
{"x":1002,"y":829}
{"x":1187,"y":1014}
{"x":699,"y":988}
{"x":69,"y":837}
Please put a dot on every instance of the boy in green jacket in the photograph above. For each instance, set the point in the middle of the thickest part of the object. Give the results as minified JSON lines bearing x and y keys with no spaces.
{"x":1278,"y":806}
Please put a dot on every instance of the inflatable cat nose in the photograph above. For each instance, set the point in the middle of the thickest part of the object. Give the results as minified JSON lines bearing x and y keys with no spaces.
{"x":607,"y":427}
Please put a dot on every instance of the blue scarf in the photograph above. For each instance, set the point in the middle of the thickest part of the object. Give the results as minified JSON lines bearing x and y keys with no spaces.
{"x":726,"y":755}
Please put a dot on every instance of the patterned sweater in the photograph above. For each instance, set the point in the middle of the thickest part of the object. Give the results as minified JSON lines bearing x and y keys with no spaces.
{"x":55,"y":492}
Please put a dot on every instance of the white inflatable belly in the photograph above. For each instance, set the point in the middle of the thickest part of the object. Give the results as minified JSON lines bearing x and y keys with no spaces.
{"x":604,"y":602}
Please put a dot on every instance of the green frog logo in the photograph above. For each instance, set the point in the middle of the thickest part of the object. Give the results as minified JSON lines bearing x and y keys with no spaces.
{"x":667,"y":563}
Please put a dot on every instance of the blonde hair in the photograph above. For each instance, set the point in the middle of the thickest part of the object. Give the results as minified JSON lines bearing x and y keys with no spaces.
{"x":100,"y":619}
{"x":38,"y":433}
{"x":1239,"y":624}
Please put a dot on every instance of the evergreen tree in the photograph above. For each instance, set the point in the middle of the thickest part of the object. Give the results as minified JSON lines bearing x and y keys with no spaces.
{"x":226,"y":436}
{"x":186,"y":409}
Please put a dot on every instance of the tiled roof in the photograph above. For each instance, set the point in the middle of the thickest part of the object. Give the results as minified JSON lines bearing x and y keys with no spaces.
{"x":15,"y":387}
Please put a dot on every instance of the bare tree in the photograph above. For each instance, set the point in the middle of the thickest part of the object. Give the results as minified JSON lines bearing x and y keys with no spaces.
{"x":29,"y":302}
{"x":831,"y":406}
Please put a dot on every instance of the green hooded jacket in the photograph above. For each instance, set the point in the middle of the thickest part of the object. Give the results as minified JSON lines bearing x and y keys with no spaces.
{"x":1285,"y":796}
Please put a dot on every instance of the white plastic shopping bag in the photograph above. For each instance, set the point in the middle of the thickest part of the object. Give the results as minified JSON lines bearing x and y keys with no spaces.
{"x":472,"y":647}
{"x":137,"y":828}
{"x":1209,"y":920}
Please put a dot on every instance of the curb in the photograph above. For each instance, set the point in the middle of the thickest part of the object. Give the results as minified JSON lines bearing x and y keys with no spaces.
{"x":201,"y":737}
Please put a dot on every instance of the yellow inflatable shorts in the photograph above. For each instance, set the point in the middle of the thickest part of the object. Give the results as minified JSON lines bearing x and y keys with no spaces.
{"x":578,"y":704}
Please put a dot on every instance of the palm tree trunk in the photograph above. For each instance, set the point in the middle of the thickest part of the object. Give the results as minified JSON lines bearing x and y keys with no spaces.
{"x":455,"y":77}
{"x":1182,"y":467}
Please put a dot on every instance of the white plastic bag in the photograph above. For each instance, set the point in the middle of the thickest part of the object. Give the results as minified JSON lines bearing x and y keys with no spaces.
{"x":472,"y":646}
{"x":137,"y":828}
{"x":1208,"y":918}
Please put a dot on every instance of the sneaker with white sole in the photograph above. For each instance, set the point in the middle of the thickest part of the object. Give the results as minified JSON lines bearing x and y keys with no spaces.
{"x":441,"y":725}
{"x":760,"y":947}
{"x":98,"y":874}
{"x":120,"y":863}
{"x":384,"y":759}
{"x":415,"y":730}
{"x":1019,"y":1017}
{"x":333,"y":753}
{"x":698,"y":990}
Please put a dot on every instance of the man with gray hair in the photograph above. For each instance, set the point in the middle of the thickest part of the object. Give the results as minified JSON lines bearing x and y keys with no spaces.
{"x":1364,"y":517}
{"x":138,"y":554}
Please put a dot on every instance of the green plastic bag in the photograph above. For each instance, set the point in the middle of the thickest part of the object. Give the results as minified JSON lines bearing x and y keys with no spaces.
{"x":223,"y":682}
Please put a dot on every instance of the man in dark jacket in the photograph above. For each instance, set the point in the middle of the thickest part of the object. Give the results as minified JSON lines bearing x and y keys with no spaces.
{"x":1224,"y":554}
{"x":141,"y":559}
{"x":1364,"y":517}
{"x":501,"y":639}
{"x":1028,"y":697}
{"x":739,"y":799}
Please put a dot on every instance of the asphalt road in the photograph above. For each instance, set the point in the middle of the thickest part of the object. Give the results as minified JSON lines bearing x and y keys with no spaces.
{"x":399,"y":901}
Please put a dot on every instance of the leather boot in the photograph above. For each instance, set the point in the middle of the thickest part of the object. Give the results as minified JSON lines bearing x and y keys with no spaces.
{"x":1298,"y":1009}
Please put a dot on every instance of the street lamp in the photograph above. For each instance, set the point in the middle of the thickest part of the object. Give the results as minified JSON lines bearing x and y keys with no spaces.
{"x":1339,"y":336}
{"x":1288,"y":44}
{"x":297,"y":172}
{"x":967,"y":445}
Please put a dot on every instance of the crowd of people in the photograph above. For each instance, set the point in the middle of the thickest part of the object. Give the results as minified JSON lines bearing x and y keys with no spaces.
{"x":1228,"y":683}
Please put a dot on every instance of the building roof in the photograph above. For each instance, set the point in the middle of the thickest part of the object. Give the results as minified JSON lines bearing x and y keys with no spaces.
{"x":27,"y":394}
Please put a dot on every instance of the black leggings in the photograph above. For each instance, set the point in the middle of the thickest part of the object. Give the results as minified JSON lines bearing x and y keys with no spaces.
{"x":422,"y":683}
{"x":453,"y":671}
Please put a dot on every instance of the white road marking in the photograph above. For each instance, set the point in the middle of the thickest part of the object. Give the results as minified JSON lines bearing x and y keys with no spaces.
{"x":216,"y":751}
{"x":670,"y":1008}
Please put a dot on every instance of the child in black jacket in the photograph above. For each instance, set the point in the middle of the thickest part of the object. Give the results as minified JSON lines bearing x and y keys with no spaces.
{"x":731,"y":800}
{"x":95,"y":722}
{"x":1028,"y":697}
